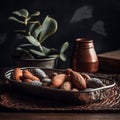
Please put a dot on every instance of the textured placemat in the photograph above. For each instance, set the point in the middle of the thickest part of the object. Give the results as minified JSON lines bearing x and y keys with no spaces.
{"x":26,"y":103}
{"x":19,"y":102}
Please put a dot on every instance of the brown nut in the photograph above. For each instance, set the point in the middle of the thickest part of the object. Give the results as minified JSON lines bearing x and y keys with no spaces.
{"x":58,"y":80}
{"x":68,"y":71}
{"x":27,"y":80}
{"x":54,"y":74}
{"x":28,"y":75}
{"x":86,"y":77}
{"x":67,"y":85}
{"x":75,"y":90}
{"x":78,"y":81}
{"x":17,"y":74}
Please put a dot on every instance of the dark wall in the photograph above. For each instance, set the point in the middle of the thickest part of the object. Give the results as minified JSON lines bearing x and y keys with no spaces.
{"x":95,"y":19}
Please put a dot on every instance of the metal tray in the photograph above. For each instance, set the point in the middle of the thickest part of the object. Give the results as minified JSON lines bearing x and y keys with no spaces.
{"x":75,"y":97}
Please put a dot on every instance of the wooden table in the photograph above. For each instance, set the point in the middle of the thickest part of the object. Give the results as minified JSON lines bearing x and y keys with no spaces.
{"x":109,"y":60}
{"x":59,"y":116}
{"x":8,"y":115}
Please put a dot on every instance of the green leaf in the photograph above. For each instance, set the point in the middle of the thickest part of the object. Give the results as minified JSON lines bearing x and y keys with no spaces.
{"x":19,"y":48}
{"x":64,"y":47}
{"x":46,"y":50}
{"x":23,"y":54}
{"x":49,"y":27}
{"x":52,"y":51}
{"x":26,"y":20}
{"x":37,"y":52}
{"x":53,"y":56}
{"x":16,"y":20}
{"x":37,"y":31}
{"x":22,"y":13}
{"x":36,"y":13}
{"x":62,"y":57}
{"x":25,"y":45}
{"x":32,"y":40}
{"x":20,"y":31}
{"x":34,"y":22}
{"x":32,"y":26}
{"x":62,"y":50}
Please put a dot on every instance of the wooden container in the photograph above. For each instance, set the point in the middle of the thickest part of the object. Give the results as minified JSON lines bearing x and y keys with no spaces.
{"x":85,"y":58}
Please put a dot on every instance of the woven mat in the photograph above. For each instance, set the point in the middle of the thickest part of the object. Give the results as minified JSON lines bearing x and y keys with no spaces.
{"x":19,"y":102}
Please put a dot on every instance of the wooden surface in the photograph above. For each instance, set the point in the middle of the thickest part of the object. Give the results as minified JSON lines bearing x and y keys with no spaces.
{"x":112,"y":54}
{"x":110,"y":61}
{"x":59,"y":116}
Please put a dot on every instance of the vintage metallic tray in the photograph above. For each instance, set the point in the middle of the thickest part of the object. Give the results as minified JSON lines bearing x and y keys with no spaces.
{"x":75,"y":97}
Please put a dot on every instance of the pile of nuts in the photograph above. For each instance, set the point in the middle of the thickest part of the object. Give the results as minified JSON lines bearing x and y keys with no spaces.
{"x":66,"y":80}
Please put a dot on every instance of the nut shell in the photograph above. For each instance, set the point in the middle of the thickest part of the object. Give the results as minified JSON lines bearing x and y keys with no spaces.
{"x":67,"y":85}
{"x":17,"y":74}
{"x":58,"y":80}
{"x":78,"y":81}
{"x":28,"y":75}
{"x":86,"y":77}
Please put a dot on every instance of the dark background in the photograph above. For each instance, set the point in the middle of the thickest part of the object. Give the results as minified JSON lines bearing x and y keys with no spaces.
{"x":95,"y":19}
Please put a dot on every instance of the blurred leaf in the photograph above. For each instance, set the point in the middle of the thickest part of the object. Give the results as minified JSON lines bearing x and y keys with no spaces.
{"x":23,"y":54}
{"x":45,"y":49}
{"x":22,"y":13}
{"x":16,"y":20}
{"x":62,"y":57}
{"x":52,"y":51}
{"x":37,"y":31}
{"x":34,"y":22}
{"x":25,"y":45}
{"x":37,"y":52}
{"x":64,"y":47}
{"x":32,"y":26}
{"x":53,"y":56}
{"x":32,"y":40}
{"x":49,"y":27}
{"x":36,"y":13}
